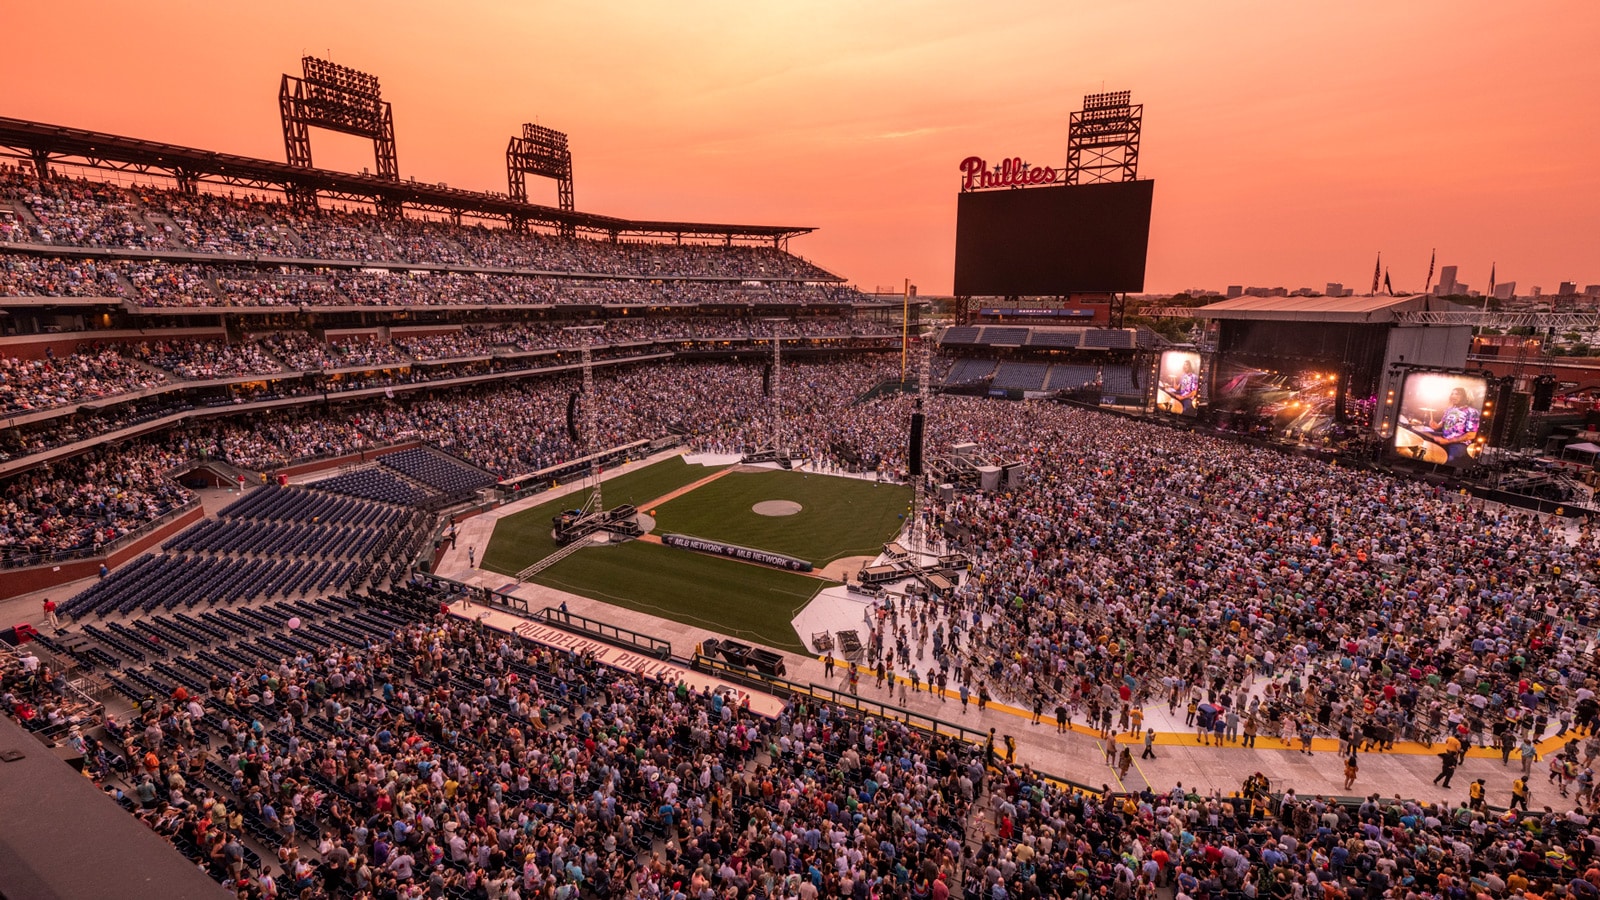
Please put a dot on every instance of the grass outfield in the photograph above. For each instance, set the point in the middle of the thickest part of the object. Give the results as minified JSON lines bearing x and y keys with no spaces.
{"x":840,"y":516}
{"x":749,"y":602}
{"x":523,"y":539}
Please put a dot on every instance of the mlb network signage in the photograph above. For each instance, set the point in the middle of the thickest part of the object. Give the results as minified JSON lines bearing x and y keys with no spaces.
{"x":1039,"y":313}
{"x":776,"y":560}
{"x":976,"y":174}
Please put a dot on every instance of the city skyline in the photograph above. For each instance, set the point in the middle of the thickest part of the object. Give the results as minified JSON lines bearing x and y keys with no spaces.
{"x":1289,"y":145}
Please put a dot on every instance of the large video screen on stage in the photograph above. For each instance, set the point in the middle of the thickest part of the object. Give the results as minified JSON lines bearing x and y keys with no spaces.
{"x":1048,"y":241}
{"x":1282,"y":400}
{"x":1178,"y":383}
{"x":1440,"y":413}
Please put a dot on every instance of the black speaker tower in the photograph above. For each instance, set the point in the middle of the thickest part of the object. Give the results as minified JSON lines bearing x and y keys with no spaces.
{"x":1544,"y":391}
{"x":914,"y":452}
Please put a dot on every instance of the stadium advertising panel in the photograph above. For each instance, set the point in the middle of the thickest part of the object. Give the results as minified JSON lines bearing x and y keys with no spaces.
{"x":1440,"y":413}
{"x":1053,"y":241}
{"x":1178,"y":383}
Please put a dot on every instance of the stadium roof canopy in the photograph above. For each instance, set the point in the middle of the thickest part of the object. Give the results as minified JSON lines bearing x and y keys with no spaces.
{"x":47,"y":144}
{"x":1358,"y":310}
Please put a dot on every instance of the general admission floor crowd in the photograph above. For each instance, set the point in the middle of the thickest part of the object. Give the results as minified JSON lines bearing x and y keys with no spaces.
{"x":1136,"y":567}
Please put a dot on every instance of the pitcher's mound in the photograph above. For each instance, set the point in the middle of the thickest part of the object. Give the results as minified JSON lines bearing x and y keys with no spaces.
{"x":776,"y":508}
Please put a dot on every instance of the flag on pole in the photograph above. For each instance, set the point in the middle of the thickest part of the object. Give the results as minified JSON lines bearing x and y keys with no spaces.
{"x":1386,"y":285}
{"x":1431,"y":257}
{"x":1377,"y":271}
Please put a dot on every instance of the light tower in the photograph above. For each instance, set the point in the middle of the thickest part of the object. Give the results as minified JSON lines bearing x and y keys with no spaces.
{"x":591,"y":434}
{"x":342,"y":99}
{"x":542,"y":152}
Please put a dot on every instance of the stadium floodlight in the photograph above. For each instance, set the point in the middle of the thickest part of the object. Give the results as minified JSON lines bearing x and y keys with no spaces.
{"x":541,"y":152}
{"x":335,"y":98}
{"x":1103,"y":139}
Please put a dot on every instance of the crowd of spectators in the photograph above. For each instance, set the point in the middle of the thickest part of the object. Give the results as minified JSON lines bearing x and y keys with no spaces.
{"x":479,"y":340}
{"x":304,"y":352}
{"x":198,"y":360}
{"x":165,"y":284}
{"x":271,"y":441}
{"x":51,"y":381}
{"x":11,"y":228}
{"x":1253,"y":594}
{"x":40,"y":276}
{"x":244,"y":288}
{"x":87,"y":502}
{"x":79,"y":212}
{"x":1132,"y":568}
{"x":38,"y":696}
{"x":453,"y":760}
{"x":1194,"y":571}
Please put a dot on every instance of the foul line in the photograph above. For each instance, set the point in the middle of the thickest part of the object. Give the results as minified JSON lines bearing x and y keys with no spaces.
{"x":673,"y":495}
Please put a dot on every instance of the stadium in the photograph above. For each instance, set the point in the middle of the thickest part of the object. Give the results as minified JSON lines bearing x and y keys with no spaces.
{"x":373,"y":538}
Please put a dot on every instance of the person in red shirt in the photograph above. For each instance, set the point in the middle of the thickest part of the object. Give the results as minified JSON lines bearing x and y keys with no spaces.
{"x":50,"y":613}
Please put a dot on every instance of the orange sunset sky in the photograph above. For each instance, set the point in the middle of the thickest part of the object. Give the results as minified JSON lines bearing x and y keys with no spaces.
{"x":1290,"y":141}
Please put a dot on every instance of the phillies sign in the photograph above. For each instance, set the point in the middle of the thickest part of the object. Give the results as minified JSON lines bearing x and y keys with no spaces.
{"x":977,"y":174}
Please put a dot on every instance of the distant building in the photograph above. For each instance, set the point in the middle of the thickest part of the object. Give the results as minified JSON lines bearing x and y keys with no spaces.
{"x":1235,"y":290}
{"x":1537,"y":291}
{"x":1447,"y":286}
{"x":1334,"y":289}
{"x":1505,"y":290}
{"x":1568,"y":289}
{"x":1592,"y":290}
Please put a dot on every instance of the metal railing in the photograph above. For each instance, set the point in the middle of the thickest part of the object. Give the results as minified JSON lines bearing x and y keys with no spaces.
{"x":783,"y":687}
{"x":768,"y":684}
{"x":603,"y":631}
{"x":511,"y":602}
